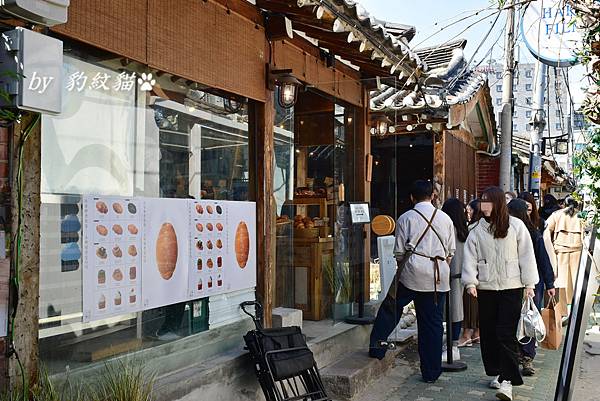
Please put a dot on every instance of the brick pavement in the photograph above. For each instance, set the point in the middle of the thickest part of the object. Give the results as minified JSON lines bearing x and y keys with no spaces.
{"x":404,"y":382}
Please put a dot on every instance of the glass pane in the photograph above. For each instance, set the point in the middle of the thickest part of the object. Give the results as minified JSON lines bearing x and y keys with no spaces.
{"x":185,"y":143}
{"x":284,"y":185}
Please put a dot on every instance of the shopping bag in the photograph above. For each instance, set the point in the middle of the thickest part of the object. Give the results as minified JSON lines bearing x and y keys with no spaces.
{"x":531,"y":326}
{"x":552,"y":320}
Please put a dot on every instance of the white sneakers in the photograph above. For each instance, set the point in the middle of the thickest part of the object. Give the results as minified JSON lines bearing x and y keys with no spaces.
{"x":495,"y":384}
{"x":505,"y":391}
{"x":455,"y":354}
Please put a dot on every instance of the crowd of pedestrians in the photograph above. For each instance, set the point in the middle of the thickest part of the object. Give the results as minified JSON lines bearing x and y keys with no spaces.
{"x":487,"y":256}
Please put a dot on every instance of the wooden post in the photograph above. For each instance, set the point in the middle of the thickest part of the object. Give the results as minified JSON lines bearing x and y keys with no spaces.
{"x":26,"y":320}
{"x":266,"y":208}
{"x":440,"y":175}
{"x":363,"y":148}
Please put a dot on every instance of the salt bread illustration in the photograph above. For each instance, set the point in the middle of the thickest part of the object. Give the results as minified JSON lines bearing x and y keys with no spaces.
{"x":242,"y":244}
{"x":166,"y":251}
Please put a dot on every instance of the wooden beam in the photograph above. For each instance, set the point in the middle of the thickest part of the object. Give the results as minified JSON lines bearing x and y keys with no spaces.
{"x":243,"y":8}
{"x":264,"y":113}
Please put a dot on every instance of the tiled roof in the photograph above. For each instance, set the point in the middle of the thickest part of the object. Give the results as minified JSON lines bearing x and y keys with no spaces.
{"x":449,"y":84}
{"x":439,"y":55}
{"x":395,"y":36}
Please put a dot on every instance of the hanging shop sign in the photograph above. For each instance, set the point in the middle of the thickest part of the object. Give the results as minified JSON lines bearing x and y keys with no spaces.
{"x":550,"y":33}
{"x":142,"y":253}
{"x":31,"y":73}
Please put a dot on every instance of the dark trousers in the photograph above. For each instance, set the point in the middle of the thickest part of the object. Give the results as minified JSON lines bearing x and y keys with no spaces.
{"x":429,"y":308}
{"x":528,"y":350}
{"x":456,"y":326}
{"x":499,"y":313}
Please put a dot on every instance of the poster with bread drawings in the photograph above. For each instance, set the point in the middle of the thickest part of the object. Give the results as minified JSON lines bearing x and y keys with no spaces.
{"x":223,"y":247}
{"x":112,"y":243}
{"x":166,"y":252}
{"x":241,"y":229}
{"x":143,"y":253}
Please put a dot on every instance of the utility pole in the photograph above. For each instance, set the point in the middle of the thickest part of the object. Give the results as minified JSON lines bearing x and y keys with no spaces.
{"x":507,"y":99}
{"x":538,"y":123}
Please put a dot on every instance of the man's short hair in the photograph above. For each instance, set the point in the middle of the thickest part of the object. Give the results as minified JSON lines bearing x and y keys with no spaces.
{"x":421,"y":190}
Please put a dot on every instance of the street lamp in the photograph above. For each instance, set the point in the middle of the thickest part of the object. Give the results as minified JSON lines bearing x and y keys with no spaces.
{"x":561,"y":146}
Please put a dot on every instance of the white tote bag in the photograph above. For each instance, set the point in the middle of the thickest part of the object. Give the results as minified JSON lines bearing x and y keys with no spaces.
{"x":531,"y":324}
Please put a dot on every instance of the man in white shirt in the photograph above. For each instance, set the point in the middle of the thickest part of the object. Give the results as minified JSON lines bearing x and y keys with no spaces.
{"x":424,"y":246}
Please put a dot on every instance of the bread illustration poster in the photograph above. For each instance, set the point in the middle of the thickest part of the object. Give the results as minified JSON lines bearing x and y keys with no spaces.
{"x":166,"y":252}
{"x":223,"y":247}
{"x":112,"y":240}
{"x":241,"y":230}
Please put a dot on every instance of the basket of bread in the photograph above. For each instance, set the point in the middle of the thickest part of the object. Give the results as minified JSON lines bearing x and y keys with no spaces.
{"x":304,"y":227}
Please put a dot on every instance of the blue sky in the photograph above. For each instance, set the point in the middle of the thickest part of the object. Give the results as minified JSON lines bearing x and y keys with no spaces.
{"x":455,"y":16}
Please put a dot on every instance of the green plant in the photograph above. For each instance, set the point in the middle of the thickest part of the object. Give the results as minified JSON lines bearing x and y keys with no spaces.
{"x":339,"y":280}
{"x":119,"y":381}
{"x":124,"y":381}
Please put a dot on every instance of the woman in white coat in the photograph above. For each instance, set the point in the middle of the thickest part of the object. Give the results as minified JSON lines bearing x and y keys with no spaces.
{"x":499,"y":262}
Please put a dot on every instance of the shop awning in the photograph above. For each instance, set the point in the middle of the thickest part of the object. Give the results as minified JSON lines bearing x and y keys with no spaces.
{"x":346,"y":30}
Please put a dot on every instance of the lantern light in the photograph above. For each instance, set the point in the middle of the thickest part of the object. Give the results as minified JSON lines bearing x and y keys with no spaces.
{"x":380,"y":125}
{"x":288,"y":87}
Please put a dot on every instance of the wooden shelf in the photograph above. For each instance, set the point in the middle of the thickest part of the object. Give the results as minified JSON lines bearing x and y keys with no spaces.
{"x":321,"y":202}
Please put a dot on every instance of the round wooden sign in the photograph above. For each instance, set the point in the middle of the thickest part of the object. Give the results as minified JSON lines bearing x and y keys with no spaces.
{"x":383,"y":225}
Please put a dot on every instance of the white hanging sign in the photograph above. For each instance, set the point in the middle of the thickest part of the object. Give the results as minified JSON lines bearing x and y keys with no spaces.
{"x":548,"y":29}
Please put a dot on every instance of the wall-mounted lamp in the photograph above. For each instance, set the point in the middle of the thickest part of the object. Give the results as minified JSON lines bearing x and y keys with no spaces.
{"x":380,"y":125}
{"x":233,"y":105}
{"x":288,"y":86}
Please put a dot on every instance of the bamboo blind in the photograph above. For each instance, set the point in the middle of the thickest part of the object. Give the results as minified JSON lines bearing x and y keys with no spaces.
{"x":205,"y":42}
{"x":198,"y":40}
{"x":118,"y":26}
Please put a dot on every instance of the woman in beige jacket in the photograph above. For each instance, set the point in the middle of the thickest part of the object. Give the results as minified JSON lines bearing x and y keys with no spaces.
{"x":498,"y":265}
{"x":563,"y":237}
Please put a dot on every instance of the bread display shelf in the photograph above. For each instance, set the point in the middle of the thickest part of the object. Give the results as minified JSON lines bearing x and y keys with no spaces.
{"x":313,"y":201}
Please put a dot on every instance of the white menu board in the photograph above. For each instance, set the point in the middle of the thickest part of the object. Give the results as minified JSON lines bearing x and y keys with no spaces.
{"x":113,"y":257}
{"x":142,"y":253}
{"x":166,"y":252}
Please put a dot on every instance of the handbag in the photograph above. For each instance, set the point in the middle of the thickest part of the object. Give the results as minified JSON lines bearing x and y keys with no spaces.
{"x":531,"y":326}
{"x":552,"y":319}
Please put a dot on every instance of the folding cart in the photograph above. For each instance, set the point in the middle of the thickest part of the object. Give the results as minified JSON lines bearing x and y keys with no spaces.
{"x":284,"y":366}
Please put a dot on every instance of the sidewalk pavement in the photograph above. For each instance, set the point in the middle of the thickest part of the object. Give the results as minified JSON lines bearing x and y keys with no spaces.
{"x":404,"y":382}
{"x":586,"y":385}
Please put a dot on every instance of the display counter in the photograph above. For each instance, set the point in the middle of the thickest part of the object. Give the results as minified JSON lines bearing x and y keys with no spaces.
{"x":301,"y":279}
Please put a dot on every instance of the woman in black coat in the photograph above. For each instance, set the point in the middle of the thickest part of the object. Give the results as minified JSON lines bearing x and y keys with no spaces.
{"x":518,"y":208}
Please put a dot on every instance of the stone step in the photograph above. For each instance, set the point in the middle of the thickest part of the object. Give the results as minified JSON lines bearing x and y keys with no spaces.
{"x":347,"y":377}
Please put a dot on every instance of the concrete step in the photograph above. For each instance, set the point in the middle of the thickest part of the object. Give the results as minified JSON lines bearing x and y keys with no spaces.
{"x":336,"y":341}
{"x":347,"y":377}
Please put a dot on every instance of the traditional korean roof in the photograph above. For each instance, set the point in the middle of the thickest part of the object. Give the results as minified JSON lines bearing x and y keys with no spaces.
{"x":448,"y":84}
{"x":345,"y":29}
{"x":440,"y":55}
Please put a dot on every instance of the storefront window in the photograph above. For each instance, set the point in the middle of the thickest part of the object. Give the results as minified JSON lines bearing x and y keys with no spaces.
{"x":314,"y":178}
{"x":119,"y":135}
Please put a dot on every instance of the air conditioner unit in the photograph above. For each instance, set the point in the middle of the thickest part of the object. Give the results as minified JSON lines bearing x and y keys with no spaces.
{"x":42,"y":12}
